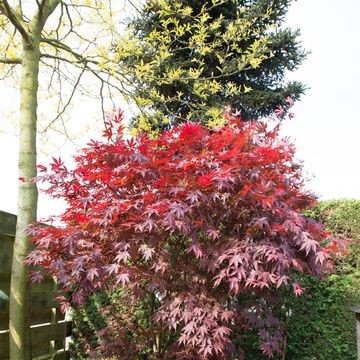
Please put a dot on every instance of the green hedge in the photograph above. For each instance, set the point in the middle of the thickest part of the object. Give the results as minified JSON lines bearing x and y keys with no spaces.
{"x":318,"y":325}
{"x":321,"y":326}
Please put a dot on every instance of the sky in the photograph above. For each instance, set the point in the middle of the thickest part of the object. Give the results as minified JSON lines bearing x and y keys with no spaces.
{"x":326,"y":127}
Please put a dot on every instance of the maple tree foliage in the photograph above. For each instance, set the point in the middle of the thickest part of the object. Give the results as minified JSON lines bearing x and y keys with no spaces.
{"x":207,"y":221}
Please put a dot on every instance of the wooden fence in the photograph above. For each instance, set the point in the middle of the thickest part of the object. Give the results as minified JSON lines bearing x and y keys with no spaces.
{"x":49,"y":329}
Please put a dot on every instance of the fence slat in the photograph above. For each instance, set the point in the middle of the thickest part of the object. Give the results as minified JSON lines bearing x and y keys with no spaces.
{"x":39,"y":334}
{"x":37,"y":317}
{"x":48,"y":332}
{"x":39,"y":300}
{"x":44,"y":333}
{"x":60,"y":355}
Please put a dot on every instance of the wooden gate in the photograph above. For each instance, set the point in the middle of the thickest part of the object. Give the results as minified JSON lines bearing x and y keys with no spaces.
{"x":49,"y":329}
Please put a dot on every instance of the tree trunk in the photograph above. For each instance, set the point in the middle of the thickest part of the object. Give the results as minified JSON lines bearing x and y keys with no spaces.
{"x":19,"y":326}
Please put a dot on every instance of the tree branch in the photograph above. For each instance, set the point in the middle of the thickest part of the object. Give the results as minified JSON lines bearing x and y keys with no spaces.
{"x":40,"y":5}
{"x":59,"y":45}
{"x":48,"y":7}
{"x":134,"y":6}
{"x":6,"y":60}
{"x":16,"y":20}
{"x":65,"y":106}
{"x":79,"y":57}
{"x":45,"y":9}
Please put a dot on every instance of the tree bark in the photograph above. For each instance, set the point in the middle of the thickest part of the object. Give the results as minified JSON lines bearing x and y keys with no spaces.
{"x":20,"y":296}
{"x":19,"y":326}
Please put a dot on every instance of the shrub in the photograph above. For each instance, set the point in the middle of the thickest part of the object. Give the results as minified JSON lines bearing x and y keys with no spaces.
{"x":205,"y":226}
{"x":321,"y":318}
{"x":319,"y":325}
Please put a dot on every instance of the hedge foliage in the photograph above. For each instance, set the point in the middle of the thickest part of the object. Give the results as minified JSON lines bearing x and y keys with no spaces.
{"x":318,"y":324}
{"x":321,"y":326}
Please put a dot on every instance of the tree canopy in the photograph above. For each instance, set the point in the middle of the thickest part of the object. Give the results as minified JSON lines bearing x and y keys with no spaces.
{"x":209,"y":224}
{"x":196,"y":57}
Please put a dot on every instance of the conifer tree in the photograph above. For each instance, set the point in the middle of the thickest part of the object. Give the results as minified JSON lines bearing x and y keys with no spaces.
{"x":194,"y":57}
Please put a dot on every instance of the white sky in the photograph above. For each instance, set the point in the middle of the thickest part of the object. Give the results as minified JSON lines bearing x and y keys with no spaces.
{"x":326,"y":127}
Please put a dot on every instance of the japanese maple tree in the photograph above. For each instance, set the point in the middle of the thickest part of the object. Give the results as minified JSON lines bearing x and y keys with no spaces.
{"x":208,"y":222}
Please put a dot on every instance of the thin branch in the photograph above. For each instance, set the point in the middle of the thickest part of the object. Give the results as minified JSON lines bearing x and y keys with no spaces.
{"x":68,"y":101}
{"x":19,"y":8}
{"x":6,"y":60}
{"x":102,"y":99}
{"x":16,"y":20}
{"x":8,"y":72}
{"x":10,"y":42}
{"x":134,"y":6}
{"x":59,"y":45}
{"x":79,"y":57}
{"x":57,"y":57}
{"x":59,"y":21}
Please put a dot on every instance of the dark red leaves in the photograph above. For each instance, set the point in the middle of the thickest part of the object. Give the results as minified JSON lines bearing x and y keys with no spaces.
{"x":298,"y":290}
{"x":203,"y":220}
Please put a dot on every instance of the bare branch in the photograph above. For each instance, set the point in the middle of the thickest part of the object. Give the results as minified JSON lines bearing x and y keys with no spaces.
{"x":68,"y":101}
{"x":19,"y":8}
{"x":45,"y":9}
{"x":60,"y":20}
{"x":79,"y":57}
{"x":59,"y":45}
{"x":56,"y":57}
{"x":51,"y":5}
{"x":134,"y":6}
{"x":101,"y":93}
{"x":16,"y":20}
{"x":6,"y":60}
{"x":8,"y":72}
{"x":40,"y":5}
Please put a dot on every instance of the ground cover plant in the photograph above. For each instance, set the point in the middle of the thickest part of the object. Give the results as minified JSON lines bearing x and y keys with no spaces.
{"x":202,"y":226}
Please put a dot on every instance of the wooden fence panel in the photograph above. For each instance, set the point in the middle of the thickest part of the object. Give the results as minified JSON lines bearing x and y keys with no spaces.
{"x":40,"y":335}
{"x":48,"y":328}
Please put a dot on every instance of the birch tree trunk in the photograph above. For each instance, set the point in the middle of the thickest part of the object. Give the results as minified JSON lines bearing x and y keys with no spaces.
{"x":20,"y":341}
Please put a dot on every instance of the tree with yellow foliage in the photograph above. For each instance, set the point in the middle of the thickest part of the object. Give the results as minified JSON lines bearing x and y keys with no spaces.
{"x":54,"y":43}
{"x":189,"y":59}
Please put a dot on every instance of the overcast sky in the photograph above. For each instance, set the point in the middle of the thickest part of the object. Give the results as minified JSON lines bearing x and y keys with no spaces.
{"x":326,"y":128}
